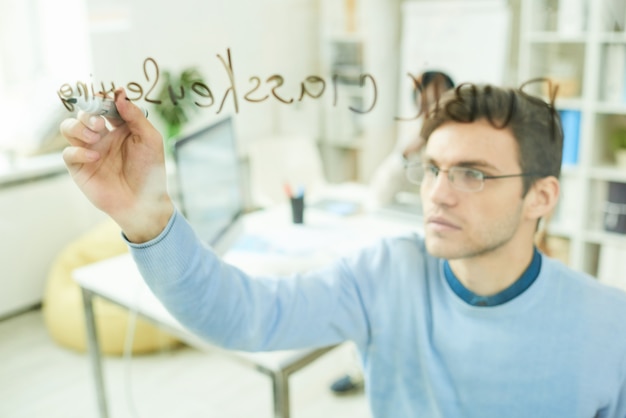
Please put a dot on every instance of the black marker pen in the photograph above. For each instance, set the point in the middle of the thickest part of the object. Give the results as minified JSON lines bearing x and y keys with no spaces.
{"x":101,"y":106}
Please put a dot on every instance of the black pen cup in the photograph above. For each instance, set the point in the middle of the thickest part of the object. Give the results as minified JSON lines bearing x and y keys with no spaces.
{"x":297,"y":209}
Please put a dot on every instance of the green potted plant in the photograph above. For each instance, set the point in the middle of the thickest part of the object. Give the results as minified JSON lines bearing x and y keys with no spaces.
{"x":618,"y":144}
{"x":176,"y":113}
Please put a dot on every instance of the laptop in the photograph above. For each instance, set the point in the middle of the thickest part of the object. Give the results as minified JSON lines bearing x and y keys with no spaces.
{"x":209,"y":180}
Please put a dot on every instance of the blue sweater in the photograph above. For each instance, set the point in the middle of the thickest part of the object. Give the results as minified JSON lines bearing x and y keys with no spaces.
{"x":556,"y":350}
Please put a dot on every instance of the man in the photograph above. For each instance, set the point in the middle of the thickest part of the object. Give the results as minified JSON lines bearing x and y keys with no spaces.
{"x":468,"y":321}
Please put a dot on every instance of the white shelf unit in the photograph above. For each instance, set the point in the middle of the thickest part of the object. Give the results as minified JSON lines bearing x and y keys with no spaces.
{"x":576,"y":56}
{"x":342,"y":136}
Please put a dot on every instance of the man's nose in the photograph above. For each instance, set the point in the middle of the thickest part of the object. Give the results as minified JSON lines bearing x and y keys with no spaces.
{"x":442,"y":192}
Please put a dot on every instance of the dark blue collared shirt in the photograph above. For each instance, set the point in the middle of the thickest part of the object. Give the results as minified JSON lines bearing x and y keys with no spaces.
{"x":511,"y":292}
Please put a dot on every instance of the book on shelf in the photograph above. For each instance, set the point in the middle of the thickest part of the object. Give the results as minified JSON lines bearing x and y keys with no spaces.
{"x":570,"y":120}
{"x":615,"y":208}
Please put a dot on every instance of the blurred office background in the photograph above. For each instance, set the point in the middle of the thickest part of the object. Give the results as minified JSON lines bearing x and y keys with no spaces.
{"x":46,"y":47}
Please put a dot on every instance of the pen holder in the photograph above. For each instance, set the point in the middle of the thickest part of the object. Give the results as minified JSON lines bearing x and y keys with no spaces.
{"x":297,"y":209}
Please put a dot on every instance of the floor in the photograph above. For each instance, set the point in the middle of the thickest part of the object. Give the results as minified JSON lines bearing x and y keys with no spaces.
{"x":38,"y":378}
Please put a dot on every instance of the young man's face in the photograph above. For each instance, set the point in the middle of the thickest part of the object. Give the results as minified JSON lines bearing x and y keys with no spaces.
{"x":462,"y":224}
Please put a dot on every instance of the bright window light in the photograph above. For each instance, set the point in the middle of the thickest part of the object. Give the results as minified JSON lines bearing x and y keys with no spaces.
{"x":42,"y":45}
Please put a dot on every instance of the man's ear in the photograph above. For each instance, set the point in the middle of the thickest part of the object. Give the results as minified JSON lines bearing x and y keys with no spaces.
{"x":542,"y":197}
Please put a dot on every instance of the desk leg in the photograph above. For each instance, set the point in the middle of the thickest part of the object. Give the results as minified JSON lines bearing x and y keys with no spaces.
{"x":94,"y":352}
{"x":280,"y":388}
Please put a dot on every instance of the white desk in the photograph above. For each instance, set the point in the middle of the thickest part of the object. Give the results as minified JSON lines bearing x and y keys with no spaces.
{"x":118,"y":280}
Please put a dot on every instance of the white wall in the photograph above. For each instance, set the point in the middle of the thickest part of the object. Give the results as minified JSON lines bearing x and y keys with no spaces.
{"x":37,"y":220}
{"x":265,"y":37}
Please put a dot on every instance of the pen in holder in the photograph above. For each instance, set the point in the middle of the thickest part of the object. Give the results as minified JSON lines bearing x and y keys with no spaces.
{"x":297,"y":203}
{"x":297,"y":208}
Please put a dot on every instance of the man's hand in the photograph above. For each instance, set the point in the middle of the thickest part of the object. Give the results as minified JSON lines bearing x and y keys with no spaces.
{"x":122,"y":170}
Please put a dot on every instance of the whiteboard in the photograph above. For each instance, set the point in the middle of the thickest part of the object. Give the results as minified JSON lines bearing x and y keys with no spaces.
{"x":468,"y":40}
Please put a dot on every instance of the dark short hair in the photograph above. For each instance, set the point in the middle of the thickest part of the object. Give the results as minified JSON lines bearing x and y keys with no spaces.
{"x":534,"y":123}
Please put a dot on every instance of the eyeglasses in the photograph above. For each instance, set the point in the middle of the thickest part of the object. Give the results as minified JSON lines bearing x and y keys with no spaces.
{"x":461,"y":178}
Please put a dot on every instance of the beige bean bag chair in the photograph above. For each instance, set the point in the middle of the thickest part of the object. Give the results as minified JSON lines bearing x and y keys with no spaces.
{"x":63,"y":305}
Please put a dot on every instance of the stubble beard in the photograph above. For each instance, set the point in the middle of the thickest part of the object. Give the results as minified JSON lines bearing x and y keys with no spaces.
{"x":489,"y":239}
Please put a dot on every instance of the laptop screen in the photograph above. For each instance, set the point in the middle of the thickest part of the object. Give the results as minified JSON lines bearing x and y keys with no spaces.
{"x":209,"y":180}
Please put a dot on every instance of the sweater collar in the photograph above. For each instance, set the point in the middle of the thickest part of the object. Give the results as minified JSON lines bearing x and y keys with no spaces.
{"x":517,"y":288}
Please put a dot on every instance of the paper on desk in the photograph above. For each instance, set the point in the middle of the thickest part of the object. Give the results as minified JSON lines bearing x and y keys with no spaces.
{"x":304,"y":241}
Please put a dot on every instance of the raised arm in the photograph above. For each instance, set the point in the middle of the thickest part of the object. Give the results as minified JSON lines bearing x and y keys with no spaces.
{"x":122,"y":170}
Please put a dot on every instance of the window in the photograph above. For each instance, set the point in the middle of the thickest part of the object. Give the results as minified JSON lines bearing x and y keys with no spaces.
{"x":42,"y":45}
